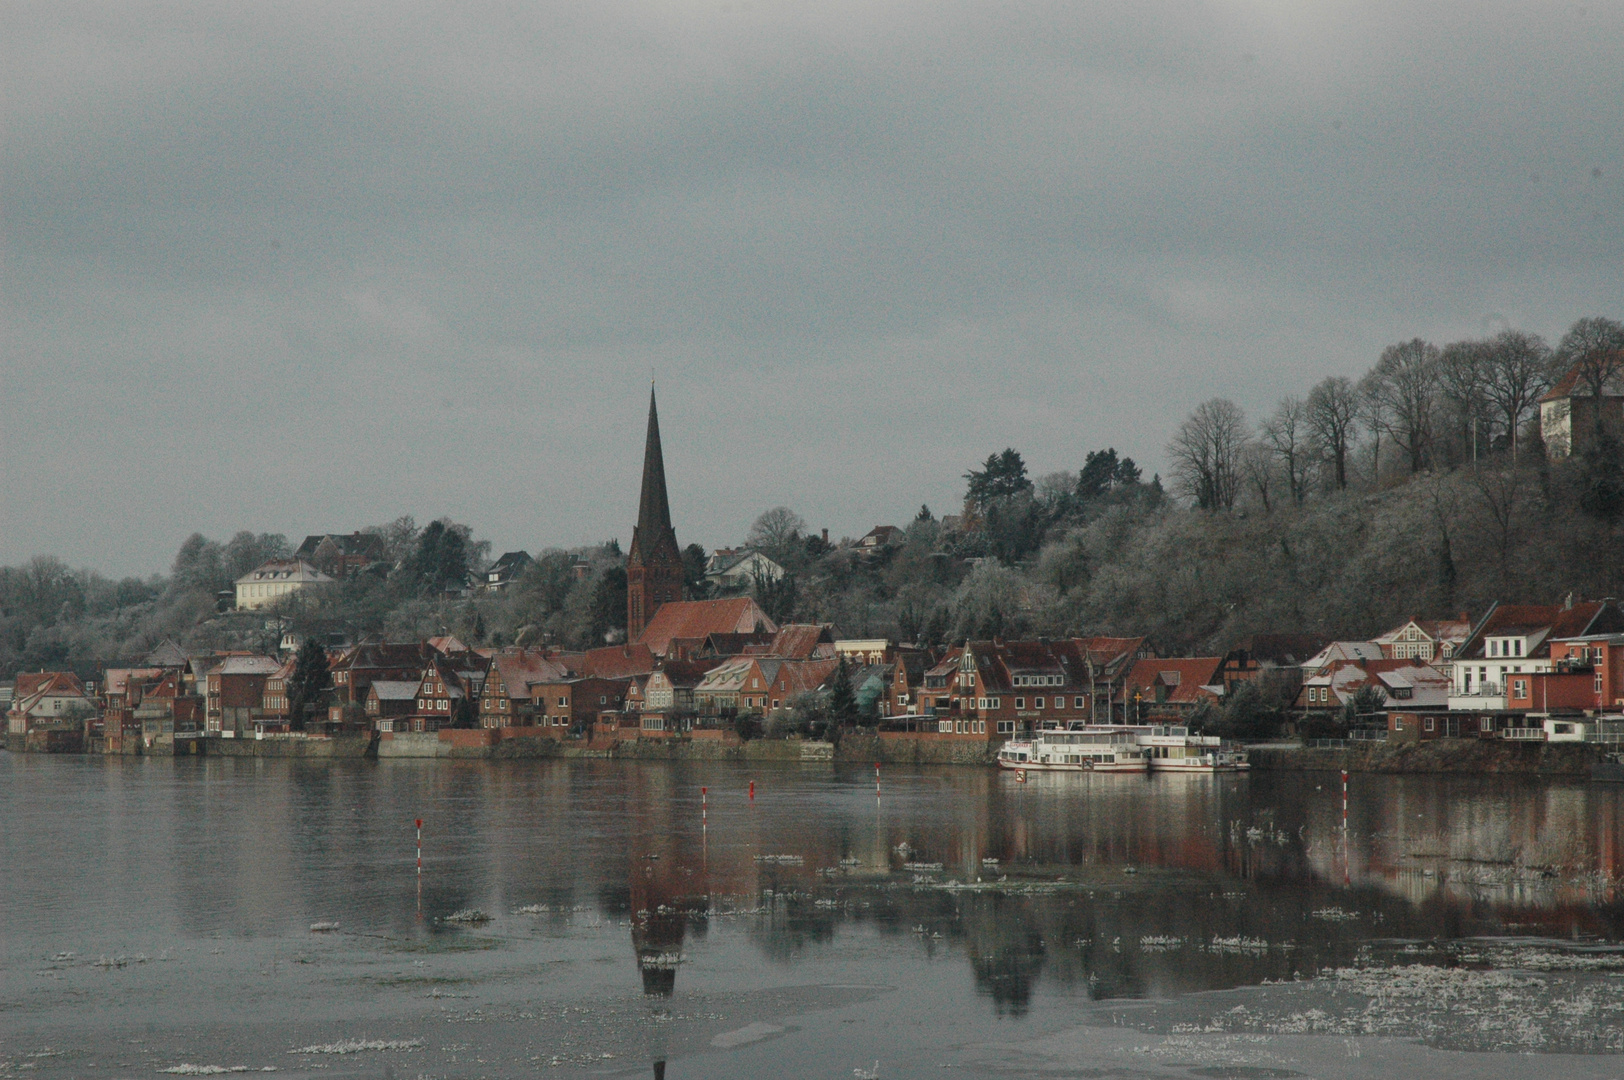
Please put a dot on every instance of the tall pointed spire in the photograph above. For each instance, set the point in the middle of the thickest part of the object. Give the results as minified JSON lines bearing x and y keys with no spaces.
{"x":654,"y":508}
{"x":654,"y":570}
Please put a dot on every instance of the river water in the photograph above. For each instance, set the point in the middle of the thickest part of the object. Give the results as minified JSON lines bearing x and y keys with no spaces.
{"x":618,"y":918}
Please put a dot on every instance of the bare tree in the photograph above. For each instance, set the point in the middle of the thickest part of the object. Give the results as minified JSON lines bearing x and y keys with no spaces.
{"x":1463,"y":368}
{"x":1518,"y":372}
{"x":1206,"y":454}
{"x":1288,"y":435}
{"x":775,"y":530}
{"x":1503,"y":498}
{"x":1332,"y":410}
{"x":1403,"y":387}
{"x":1259,"y":468}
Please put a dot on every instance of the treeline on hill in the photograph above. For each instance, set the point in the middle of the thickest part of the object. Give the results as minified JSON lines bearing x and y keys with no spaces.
{"x":1422,"y":489}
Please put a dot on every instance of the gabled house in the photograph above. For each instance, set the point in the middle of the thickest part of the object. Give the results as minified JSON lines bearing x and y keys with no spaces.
{"x":448,"y":691}
{"x":907,"y":679}
{"x":1343,"y":650}
{"x":506,"y":699}
{"x":339,"y":555}
{"x":786,"y":680}
{"x":355,"y":668}
{"x":1005,"y":687}
{"x":881,"y":538}
{"x":1426,"y":639}
{"x":505,"y":571}
{"x":739,"y":569}
{"x":390,"y":702}
{"x":1515,"y":640}
{"x":1110,"y":659}
{"x":235,"y":692}
{"x":1568,"y":410}
{"x":670,"y":687}
{"x":1172,"y":687}
{"x":46,"y":697}
{"x":1404,"y":683}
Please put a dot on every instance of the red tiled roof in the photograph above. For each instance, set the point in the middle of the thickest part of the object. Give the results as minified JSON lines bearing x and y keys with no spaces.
{"x":802,"y":676}
{"x":618,"y":661}
{"x":1570,"y":385}
{"x":519,"y":668}
{"x":697,"y":619}
{"x":798,"y":641}
{"x":1184,"y":677}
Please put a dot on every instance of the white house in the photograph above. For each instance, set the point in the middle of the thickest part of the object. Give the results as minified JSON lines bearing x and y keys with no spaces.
{"x":276,"y":580}
{"x":740,"y":568}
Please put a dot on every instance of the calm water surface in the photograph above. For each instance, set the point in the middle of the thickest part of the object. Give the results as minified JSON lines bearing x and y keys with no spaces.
{"x":613,"y":921}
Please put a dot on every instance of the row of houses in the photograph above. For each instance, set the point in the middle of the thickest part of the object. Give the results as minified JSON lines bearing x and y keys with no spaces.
{"x":700,"y":665}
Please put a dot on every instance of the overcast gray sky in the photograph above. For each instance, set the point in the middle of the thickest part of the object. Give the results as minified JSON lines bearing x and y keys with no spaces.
{"x":307,"y":267}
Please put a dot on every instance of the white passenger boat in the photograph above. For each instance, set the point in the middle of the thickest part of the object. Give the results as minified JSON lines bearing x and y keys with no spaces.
{"x":1163,"y":748}
{"x":1173,"y":749}
{"x":1114,"y":750}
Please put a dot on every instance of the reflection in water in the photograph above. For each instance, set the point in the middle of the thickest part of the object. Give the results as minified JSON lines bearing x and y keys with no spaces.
{"x":1110,"y":886}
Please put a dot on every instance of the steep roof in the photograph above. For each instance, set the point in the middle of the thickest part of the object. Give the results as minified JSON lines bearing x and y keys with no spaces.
{"x":653,"y":532}
{"x":1343,"y":650}
{"x":379,"y":654}
{"x":618,"y":661}
{"x":803,"y":676}
{"x":1571,"y":385}
{"x":166,"y":654}
{"x":519,"y":668}
{"x":1188,"y":679}
{"x":1543,"y":623}
{"x":799,"y":641}
{"x":698,"y":619}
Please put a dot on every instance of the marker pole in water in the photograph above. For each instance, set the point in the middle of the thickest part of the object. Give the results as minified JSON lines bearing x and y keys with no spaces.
{"x":876,"y":779}
{"x":1344,"y":800}
{"x":704,"y":804}
{"x":419,"y":868}
{"x":752,"y":791}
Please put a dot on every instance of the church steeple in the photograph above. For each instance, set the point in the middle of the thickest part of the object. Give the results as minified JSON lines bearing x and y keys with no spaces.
{"x":654,"y":508}
{"x":654,"y":572}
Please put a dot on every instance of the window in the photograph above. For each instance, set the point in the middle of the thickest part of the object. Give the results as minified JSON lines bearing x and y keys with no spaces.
{"x":1519,"y":649}
{"x":1598,"y":682}
{"x":775,"y":703}
{"x":981,"y":727}
{"x":981,"y":703}
{"x":1037,"y":703}
{"x":1006,"y":727}
{"x":1430,"y":723}
{"x":561,"y":702}
{"x":1077,"y":703}
{"x":1519,"y":687}
{"x":1020,"y":703}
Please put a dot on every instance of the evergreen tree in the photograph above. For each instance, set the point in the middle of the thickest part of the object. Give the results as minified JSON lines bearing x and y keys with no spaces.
{"x":1001,"y":476}
{"x":842,"y":698}
{"x":309,"y":684}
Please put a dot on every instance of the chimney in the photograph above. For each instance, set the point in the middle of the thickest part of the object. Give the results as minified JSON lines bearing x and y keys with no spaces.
{"x":825,"y":537}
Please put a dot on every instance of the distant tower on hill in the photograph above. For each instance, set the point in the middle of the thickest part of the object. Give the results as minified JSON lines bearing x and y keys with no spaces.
{"x":654,"y":564}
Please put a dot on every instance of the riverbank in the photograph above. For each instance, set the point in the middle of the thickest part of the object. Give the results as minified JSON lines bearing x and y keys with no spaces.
{"x":1445,"y":756}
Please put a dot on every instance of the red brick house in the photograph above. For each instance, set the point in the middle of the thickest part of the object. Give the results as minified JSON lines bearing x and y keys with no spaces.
{"x":390,"y":703}
{"x":506,"y":699}
{"x":236,"y":692}
{"x":573,"y":706}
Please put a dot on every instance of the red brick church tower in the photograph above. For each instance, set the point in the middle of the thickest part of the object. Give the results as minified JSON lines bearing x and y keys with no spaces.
{"x":654,"y":564}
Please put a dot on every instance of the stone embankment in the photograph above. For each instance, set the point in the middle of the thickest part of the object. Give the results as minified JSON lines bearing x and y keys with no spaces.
{"x":1455,"y":756}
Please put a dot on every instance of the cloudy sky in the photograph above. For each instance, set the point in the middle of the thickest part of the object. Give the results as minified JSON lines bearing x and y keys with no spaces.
{"x":308,"y":267}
